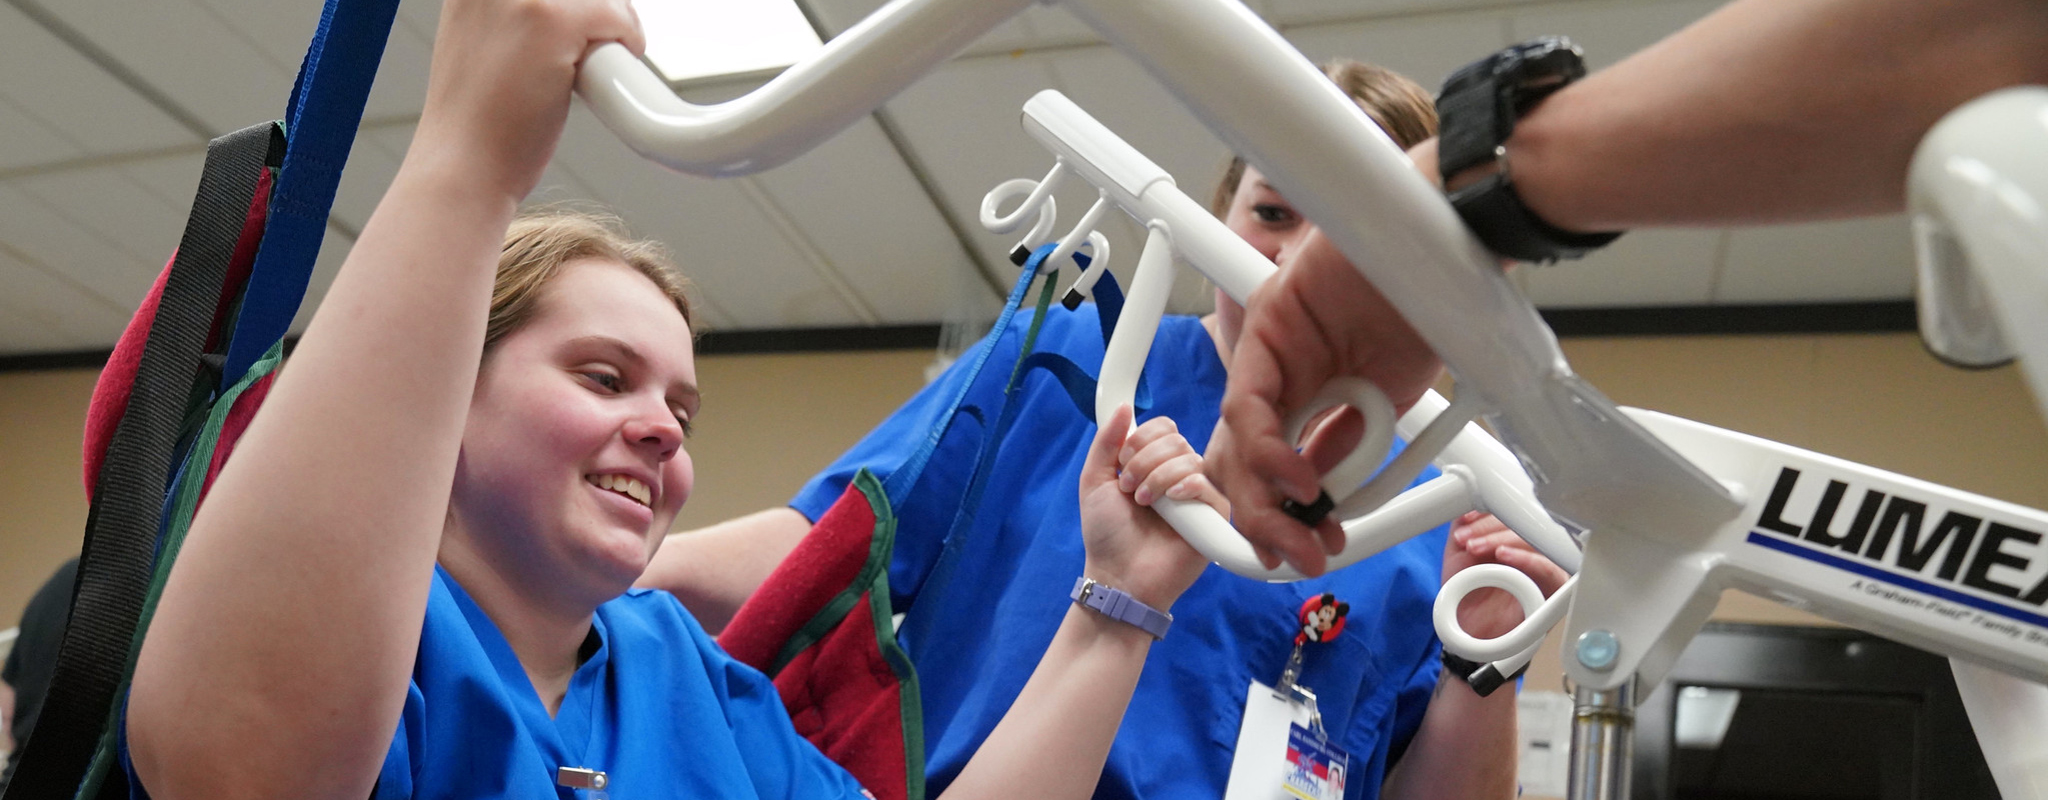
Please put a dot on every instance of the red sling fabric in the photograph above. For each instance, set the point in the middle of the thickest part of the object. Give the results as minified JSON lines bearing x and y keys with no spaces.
{"x":117,"y":378}
{"x":820,"y":626}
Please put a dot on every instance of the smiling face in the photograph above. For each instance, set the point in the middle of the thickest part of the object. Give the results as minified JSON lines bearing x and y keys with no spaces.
{"x":572,"y":464}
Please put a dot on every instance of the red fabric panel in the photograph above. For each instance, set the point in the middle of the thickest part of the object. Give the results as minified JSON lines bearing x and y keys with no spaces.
{"x":110,"y":393}
{"x":840,"y":691}
{"x":843,"y":697}
{"x":822,"y":565}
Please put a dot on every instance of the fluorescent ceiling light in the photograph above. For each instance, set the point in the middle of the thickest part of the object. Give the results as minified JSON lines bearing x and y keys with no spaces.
{"x":690,"y":39}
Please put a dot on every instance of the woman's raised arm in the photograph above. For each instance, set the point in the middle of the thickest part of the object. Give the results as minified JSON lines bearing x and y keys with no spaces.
{"x":278,"y":659}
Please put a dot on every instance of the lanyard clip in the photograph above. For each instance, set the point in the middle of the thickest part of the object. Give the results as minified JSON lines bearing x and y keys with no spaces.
{"x":1301,"y":696}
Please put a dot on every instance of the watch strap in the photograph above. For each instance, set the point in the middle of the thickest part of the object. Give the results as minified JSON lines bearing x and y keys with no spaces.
{"x":1120,"y":606}
{"x":1494,"y":212}
{"x":1473,"y":118}
{"x":1477,"y":111}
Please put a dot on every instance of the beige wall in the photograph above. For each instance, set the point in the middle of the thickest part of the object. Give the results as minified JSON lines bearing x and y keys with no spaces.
{"x":42,"y":496}
{"x":770,"y":421}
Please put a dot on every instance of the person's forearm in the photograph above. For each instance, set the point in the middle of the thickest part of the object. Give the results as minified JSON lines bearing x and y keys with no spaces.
{"x":280,"y":652}
{"x":1056,"y":736}
{"x":1465,"y":749}
{"x":1769,"y":111}
{"x":714,"y":569}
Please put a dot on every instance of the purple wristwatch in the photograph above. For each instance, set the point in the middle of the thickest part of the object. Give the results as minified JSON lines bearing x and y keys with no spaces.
{"x":1117,"y":605}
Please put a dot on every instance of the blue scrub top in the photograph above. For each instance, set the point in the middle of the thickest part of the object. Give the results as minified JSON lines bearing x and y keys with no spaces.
{"x":658,"y":707}
{"x":1008,"y":590}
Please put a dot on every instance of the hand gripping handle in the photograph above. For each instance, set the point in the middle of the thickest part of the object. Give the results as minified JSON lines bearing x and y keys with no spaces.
{"x":1479,"y":472}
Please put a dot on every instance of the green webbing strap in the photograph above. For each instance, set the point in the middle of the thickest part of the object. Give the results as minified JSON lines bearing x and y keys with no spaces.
{"x":184,"y":503}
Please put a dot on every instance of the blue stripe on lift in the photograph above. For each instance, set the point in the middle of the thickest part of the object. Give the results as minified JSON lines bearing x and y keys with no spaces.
{"x":1915,"y":584}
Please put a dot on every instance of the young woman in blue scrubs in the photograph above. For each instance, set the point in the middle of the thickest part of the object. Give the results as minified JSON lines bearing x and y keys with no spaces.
{"x":412,"y":578}
{"x":1409,"y":733}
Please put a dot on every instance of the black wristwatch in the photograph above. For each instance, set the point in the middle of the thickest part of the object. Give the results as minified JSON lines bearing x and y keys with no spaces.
{"x":1476,"y":112}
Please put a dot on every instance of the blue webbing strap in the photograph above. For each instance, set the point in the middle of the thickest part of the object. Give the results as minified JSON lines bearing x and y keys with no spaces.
{"x":913,"y":633}
{"x":900,"y":481}
{"x":326,"y":108}
{"x":1079,"y":385}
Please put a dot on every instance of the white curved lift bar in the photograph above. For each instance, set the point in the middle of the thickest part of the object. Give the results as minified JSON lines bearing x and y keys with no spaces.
{"x":805,"y":105}
{"x":1479,"y":472}
{"x":1241,"y":78}
{"x":1591,"y":462}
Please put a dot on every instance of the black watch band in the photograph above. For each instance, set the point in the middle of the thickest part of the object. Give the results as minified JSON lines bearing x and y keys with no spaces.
{"x":1477,"y":110}
{"x":1494,"y":212}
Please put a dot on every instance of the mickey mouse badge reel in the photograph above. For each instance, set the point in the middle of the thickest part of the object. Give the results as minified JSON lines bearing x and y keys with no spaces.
{"x":1283,"y":753}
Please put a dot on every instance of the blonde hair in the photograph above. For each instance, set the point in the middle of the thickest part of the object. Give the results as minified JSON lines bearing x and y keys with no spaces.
{"x":1403,"y":109}
{"x":540,"y":241}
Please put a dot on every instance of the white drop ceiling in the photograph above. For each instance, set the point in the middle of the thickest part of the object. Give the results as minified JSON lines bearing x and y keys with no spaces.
{"x":106,"y":106}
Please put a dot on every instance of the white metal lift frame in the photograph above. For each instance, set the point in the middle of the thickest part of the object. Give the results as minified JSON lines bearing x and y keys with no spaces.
{"x":1677,"y":510}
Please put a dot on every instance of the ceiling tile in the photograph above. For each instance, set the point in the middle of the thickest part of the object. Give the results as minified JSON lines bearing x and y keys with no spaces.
{"x":1863,"y":259}
{"x":189,"y":52}
{"x":401,"y":87}
{"x":1423,"y":48}
{"x":556,"y":183}
{"x":283,"y":28}
{"x":26,"y":141}
{"x":77,"y":99}
{"x":961,"y":124}
{"x":740,"y":260}
{"x":422,"y":16}
{"x":171,"y":179}
{"x":1607,"y":31}
{"x":1123,"y":97}
{"x":371,"y":166}
{"x":1643,"y":268}
{"x":112,"y":205}
{"x":394,"y":138}
{"x":65,"y":317}
{"x":856,"y":201}
{"x":23,"y":333}
{"x":280,"y":29}
{"x":37,"y":233}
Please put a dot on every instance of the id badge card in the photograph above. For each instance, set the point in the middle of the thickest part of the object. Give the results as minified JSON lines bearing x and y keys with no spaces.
{"x":1283,"y":752}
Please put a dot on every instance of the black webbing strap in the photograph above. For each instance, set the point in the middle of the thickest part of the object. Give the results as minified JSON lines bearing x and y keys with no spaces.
{"x":115,"y":563}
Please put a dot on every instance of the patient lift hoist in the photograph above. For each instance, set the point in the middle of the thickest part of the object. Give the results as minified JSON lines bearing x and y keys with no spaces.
{"x":1669,"y":512}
